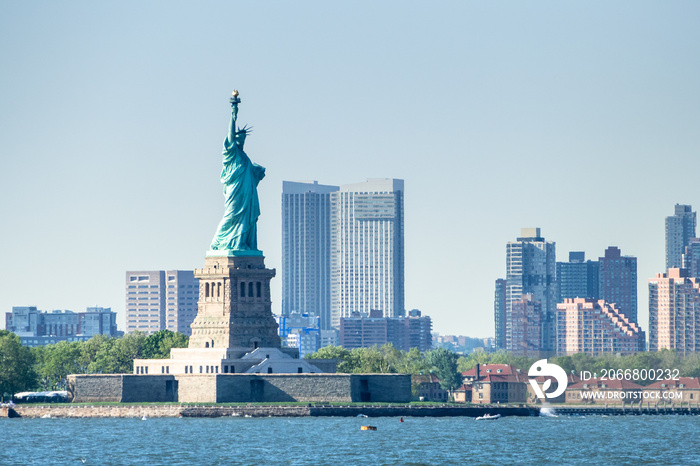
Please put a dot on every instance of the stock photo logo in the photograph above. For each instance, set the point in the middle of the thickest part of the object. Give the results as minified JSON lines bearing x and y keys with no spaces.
{"x":542,"y":368}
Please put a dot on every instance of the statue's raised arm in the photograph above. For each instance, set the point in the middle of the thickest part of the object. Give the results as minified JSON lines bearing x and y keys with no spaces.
{"x":235,"y":100}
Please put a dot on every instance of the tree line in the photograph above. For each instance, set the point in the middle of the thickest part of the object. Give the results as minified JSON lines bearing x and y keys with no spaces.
{"x":448,"y":366}
{"x":44,"y":368}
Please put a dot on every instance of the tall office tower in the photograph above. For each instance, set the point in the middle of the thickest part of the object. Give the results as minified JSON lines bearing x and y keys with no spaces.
{"x":367,"y":249}
{"x":679,"y":229}
{"x":674,"y":312}
{"x":531,"y":269}
{"x":617,"y":281}
{"x":306,"y":249}
{"x":161,"y":299}
{"x":499,"y":312}
{"x":526,"y":327}
{"x":577,"y":278}
{"x":595,"y":327}
{"x":691,"y":258}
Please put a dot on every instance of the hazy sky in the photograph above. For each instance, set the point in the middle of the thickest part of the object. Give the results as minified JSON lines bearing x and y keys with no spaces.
{"x":581,"y":118}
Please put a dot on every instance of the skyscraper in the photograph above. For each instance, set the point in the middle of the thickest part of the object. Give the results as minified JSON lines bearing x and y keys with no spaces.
{"x":679,"y":229}
{"x":674,"y":312}
{"x":499,"y":312}
{"x":617,"y":281}
{"x":577,"y":278}
{"x":306,"y":249}
{"x":530,"y":269}
{"x":691,"y":258}
{"x":367,"y":249}
{"x":526,"y":327}
{"x":161,"y":299}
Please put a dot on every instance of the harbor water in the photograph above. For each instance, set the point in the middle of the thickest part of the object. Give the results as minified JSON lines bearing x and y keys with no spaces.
{"x":330,"y":441}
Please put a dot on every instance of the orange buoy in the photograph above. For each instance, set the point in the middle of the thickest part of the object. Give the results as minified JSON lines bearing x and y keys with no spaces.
{"x":368,"y":428}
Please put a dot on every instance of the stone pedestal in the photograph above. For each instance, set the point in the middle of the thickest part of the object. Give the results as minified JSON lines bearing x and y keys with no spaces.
{"x":235,"y":310}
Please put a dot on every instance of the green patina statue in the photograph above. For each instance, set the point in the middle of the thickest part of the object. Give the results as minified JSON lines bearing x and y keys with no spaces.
{"x":237,"y":232}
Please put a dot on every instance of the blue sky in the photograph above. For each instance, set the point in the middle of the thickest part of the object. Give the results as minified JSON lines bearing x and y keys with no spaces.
{"x":580,"y":118}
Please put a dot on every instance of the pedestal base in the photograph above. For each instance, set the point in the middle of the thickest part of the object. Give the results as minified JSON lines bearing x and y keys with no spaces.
{"x":235,"y":310}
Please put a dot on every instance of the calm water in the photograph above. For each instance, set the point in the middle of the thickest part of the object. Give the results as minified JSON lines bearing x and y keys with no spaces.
{"x":316,"y":441}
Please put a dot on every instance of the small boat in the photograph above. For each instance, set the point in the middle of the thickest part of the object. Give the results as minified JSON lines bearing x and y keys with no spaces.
{"x":488,"y":417}
{"x":368,"y":428}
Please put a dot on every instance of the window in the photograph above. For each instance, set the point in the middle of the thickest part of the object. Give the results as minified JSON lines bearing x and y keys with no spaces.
{"x":242,"y":289}
{"x":258,"y":290}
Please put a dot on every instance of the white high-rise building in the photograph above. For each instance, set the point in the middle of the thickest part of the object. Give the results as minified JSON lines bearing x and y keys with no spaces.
{"x":306,"y":249}
{"x":161,"y":299}
{"x":367,"y":249}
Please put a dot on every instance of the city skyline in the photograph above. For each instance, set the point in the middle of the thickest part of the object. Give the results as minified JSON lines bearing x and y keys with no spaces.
{"x":111,"y":130}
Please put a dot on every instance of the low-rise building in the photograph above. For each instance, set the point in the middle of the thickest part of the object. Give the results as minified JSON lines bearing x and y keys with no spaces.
{"x":36,"y":328}
{"x":427,"y":388}
{"x":553,"y":386}
{"x":301,"y":331}
{"x":598,"y":391}
{"x":362,"y":331}
{"x":687,"y":390}
{"x":494,"y":383}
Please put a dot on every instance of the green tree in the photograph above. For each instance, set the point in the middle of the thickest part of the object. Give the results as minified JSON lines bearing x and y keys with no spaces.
{"x":55,"y":362}
{"x":444,"y":364}
{"x":117,"y":355}
{"x":370,"y":361}
{"x":158,"y":344}
{"x":89,"y":350}
{"x":16,"y":365}
{"x":347,"y":361}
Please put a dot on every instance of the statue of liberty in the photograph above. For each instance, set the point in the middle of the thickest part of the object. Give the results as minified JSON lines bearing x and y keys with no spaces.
{"x":237,"y":232}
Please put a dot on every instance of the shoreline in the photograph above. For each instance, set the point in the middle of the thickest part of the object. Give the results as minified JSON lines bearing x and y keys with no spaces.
{"x":139,"y":411}
{"x":69,"y":410}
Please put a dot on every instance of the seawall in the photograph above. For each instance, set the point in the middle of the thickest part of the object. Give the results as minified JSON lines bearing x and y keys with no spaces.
{"x":124,"y":411}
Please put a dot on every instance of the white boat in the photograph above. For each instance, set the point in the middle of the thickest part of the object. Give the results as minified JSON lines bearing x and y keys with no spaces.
{"x":488,"y":417}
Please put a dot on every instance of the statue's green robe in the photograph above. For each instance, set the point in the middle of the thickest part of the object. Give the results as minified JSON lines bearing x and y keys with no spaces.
{"x":237,"y":231}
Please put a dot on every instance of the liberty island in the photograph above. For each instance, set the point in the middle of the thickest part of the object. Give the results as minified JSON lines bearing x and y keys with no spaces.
{"x":235,"y":353}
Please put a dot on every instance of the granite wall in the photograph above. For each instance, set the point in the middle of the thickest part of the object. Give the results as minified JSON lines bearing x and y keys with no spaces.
{"x":242,"y":388}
